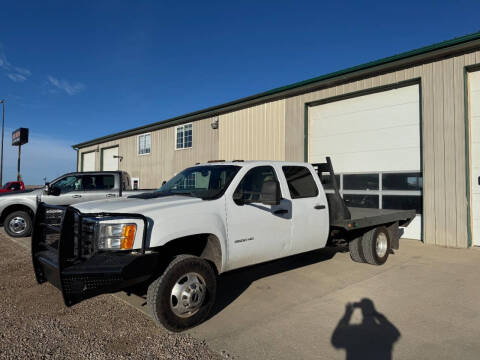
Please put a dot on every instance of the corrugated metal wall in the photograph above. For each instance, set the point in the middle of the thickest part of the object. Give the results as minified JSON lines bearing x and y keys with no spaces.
{"x":254,"y":133}
{"x":163,"y":161}
{"x":443,"y":140}
{"x":275,"y":131}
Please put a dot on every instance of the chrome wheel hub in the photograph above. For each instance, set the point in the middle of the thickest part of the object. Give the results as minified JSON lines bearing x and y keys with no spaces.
{"x":17,"y":225}
{"x":188,"y":294}
{"x":381,"y":244}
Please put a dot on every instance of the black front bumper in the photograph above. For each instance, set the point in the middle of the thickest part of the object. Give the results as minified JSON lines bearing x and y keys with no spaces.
{"x":62,"y":258}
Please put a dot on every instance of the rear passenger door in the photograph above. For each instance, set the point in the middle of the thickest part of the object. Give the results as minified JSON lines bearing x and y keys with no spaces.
{"x":98,"y":186}
{"x":309,"y":209}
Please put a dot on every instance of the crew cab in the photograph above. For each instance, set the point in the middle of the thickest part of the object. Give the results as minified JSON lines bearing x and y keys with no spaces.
{"x":208,"y":219}
{"x":18,"y":208}
{"x":12,"y":186}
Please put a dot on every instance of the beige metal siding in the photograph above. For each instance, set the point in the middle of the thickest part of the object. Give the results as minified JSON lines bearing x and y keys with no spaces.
{"x":254,"y":133}
{"x":443,"y":139}
{"x":163,"y":161}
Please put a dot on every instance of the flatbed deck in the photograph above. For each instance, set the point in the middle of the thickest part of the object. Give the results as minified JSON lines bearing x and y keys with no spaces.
{"x":364,"y":217}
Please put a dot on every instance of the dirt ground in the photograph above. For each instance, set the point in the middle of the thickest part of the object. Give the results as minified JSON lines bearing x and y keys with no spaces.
{"x":36,"y":324}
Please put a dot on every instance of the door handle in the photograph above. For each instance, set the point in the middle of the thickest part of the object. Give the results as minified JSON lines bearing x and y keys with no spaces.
{"x":76,"y":196}
{"x":110,"y":195}
{"x":280,"y":211}
{"x":319,"y":207}
{"x":479,"y":180}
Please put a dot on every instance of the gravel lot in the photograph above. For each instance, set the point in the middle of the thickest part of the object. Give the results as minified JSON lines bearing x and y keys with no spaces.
{"x":36,"y":324}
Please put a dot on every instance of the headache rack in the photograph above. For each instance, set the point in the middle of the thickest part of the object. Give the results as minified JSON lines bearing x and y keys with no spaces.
{"x":65,"y":254}
{"x":338,"y":211}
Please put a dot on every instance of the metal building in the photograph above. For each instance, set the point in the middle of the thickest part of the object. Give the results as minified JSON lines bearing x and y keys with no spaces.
{"x":403,"y":132}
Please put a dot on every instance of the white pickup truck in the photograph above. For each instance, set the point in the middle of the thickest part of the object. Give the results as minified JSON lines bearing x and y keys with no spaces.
{"x":208,"y":219}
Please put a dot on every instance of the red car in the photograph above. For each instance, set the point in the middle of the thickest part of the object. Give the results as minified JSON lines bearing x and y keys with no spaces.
{"x":12,"y":186}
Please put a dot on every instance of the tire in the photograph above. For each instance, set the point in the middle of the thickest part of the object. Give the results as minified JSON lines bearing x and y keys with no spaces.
{"x":355,"y":248}
{"x":376,"y":255}
{"x":177,"y":279}
{"x":18,"y":224}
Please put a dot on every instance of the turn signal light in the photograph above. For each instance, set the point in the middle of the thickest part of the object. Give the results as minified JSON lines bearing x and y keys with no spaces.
{"x":128,"y":236}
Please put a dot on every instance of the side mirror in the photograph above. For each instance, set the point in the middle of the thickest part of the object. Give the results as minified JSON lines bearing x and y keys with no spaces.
{"x":271,"y":193}
{"x":55,"y":191}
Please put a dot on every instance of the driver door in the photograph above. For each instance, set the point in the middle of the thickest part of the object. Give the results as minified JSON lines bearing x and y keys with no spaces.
{"x":71,"y":191}
{"x":256,"y":232}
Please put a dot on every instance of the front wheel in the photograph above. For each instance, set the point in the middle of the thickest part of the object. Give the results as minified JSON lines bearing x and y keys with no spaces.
{"x":183,"y":295}
{"x":18,"y":224}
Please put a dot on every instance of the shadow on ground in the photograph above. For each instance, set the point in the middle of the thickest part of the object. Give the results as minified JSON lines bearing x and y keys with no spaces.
{"x":371,"y":339}
{"x":233,"y":283}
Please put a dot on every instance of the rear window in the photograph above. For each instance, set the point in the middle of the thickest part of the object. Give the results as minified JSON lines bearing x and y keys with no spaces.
{"x":300,"y":182}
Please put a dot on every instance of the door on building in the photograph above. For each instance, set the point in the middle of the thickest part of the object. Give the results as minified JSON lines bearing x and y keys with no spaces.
{"x":88,"y":161}
{"x":110,"y":159}
{"x":474,"y":97}
{"x":374,"y":143}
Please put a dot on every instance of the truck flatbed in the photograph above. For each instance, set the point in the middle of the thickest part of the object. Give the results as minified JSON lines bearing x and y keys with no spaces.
{"x":364,"y":217}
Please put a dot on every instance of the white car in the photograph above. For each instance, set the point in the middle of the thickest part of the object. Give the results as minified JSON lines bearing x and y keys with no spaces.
{"x":208,"y":219}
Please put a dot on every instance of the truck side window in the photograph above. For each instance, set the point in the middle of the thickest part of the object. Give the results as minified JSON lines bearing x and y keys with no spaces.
{"x":250,"y":187}
{"x":300,"y":182}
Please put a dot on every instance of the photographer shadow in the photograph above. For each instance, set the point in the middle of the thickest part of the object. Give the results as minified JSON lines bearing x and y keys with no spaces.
{"x":372,"y":339}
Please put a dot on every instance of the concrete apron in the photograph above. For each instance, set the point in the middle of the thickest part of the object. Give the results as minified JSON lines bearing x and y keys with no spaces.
{"x":423,"y":303}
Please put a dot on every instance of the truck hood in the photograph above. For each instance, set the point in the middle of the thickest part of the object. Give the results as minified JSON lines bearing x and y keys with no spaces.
{"x":134,"y":205}
{"x":21,"y":193}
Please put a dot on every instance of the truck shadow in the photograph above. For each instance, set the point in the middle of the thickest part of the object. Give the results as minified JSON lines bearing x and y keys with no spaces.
{"x":233,"y":283}
{"x":373,"y":338}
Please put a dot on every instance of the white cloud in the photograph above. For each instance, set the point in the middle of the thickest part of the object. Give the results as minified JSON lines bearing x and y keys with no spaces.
{"x":17,"y":77}
{"x":69,"y":88}
{"x":15,"y":73}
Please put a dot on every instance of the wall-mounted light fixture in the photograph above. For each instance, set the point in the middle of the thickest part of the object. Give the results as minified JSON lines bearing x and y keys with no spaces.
{"x":214,"y":124}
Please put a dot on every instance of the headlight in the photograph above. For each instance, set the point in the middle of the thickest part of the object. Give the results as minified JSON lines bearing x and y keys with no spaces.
{"x":116,"y":236}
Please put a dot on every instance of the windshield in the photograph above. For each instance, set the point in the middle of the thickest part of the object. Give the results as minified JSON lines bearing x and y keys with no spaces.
{"x":205,"y":182}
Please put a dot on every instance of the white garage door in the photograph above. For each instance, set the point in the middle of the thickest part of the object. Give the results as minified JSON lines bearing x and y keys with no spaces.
{"x":474,"y":96}
{"x":374,"y":143}
{"x":88,"y":161}
{"x":110,"y":159}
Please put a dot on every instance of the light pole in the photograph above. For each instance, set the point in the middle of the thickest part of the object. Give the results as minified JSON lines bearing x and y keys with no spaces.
{"x":3,"y":129}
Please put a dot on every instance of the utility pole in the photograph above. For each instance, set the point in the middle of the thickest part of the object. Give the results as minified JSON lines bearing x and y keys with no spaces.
{"x":3,"y":129}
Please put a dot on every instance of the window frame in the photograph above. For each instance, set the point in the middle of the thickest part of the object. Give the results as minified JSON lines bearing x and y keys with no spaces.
{"x":138,"y":144}
{"x":237,"y":185}
{"x":183,"y":138}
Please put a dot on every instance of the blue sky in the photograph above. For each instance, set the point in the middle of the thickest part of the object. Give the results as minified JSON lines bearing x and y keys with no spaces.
{"x":72,"y":71}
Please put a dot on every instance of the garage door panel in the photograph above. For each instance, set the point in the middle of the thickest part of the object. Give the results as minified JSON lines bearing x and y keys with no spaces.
{"x":392,"y":98}
{"x":88,"y":161}
{"x":370,"y":140}
{"x":343,"y":123}
{"x":475,"y":130}
{"x":110,"y":159}
{"x":355,"y":162}
{"x":374,"y":133}
{"x":474,"y":96}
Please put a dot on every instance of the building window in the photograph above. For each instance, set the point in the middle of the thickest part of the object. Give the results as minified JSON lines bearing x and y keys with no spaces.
{"x":144,"y":144}
{"x":184,"y":136}
{"x":388,"y":190}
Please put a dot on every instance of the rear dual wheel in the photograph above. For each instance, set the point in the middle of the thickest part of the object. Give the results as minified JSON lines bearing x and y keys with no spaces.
{"x":373,"y":247}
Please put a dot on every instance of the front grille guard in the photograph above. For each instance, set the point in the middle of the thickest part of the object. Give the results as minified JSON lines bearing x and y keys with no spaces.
{"x":58,"y":231}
